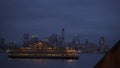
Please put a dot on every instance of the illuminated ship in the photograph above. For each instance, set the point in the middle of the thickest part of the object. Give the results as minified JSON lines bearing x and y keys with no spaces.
{"x":43,"y":51}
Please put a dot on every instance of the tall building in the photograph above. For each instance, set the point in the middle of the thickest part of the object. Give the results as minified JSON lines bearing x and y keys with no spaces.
{"x":101,"y":43}
{"x":62,"y":36}
{"x":25,"y":40}
{"x":12,"y":44}
{"x":34,"y":39}
{"x":75,"y":41}
{"x":86,"y":41}
{"x":53,"y":39}
{"x":2,"y":43}
{"x":60,"y":44}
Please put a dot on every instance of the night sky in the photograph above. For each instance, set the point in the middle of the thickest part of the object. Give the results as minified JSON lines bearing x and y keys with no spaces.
{"x":88,"y":18}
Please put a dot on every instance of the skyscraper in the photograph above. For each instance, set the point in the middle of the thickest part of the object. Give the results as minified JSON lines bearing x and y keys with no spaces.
{"x":2,"y":43}
{"x":62,"y":36}
{"x":53,"y":39}
{"x":76,"y":40}
{"x":34,"y":39}
{"x":25,"y":40}
{"x":101,"y":43}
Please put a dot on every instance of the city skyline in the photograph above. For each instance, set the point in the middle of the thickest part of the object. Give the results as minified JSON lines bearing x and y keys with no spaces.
{"x":20,"y":39}
{"x":26,"y":38}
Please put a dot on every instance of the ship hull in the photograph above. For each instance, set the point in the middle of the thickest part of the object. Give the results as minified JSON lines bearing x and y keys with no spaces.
{"x":45,"y":57}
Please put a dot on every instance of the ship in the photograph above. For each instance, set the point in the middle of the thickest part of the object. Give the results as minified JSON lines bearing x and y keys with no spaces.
{"x":43,"y":51}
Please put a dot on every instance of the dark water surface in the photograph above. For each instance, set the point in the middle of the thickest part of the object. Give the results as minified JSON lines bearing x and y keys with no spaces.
{"x":85,"y":61}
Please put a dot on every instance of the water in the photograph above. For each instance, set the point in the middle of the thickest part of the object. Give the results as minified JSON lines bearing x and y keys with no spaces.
{"x":85,"y":61}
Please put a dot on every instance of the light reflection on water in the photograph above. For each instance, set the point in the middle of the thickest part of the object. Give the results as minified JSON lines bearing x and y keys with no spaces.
{"x":85,"y":61}
{"x":38,"y":61}
{"x":70,"y":61}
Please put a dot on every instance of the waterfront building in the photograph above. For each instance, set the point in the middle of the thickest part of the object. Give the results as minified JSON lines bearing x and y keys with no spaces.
{"x":12,"y":44}
{"x":101,"y":43}
{"x":75,"y":42}
{"x":53,"y":40}
{"x":2,"y":43}
{"x":34,"y":39}
{"x":25,"y":40}
{"x":62,"y":37}
{"x":88,"y":48}
{"x":63,"y":34}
